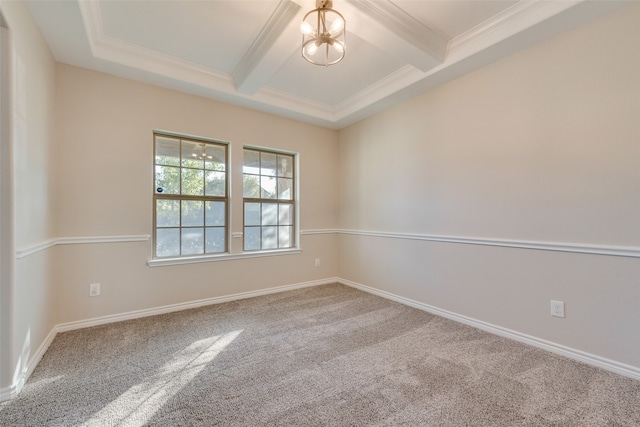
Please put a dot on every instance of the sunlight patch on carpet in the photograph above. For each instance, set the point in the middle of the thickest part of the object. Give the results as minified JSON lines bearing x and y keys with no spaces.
{"x":140,"y":402}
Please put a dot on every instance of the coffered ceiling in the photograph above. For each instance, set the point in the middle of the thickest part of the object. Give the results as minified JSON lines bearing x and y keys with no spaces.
{"x":248,"y":52}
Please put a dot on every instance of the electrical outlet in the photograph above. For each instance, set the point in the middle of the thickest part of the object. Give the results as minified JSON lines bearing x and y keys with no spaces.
{"x":317,"y":262}
{"x":94,"y":289}
{"x":557,"y":308}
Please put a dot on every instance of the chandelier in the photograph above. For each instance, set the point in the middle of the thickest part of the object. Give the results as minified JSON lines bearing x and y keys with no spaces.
{"x":202,"y":155}
{"x":323,"y":33}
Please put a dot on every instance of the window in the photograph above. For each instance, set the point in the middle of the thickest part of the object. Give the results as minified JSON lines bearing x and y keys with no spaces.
{"x":190,"y":200}
{"x":269,"y":199}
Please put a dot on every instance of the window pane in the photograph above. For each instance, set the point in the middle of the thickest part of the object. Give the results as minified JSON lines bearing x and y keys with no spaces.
{"x":269,"y":237}
{"x":268,"y":185}
{"x":215,"y":214}
{"x":269,"y":214}
{"x":285,"y":166}
{"x":193,"y":154}
{"x":251,"y":238}
{"x":192,"y":213}
{"x":285,"y":214}
{"x":216,"y":157}
{"x":285,"y":189}
{"x":284,"y":237}
{"x":193,"y":182}
{"x":167,"y":151}
{"x":167,"y":242}
{"x":215,"y":184}
{"x":268,"y":164}
{"x":251,"y":162}
{"x":251,"y":186}
{"x":252,"y":214}
{"x":193,"y":221}
{"x":192,"y":241}
{"x":268,"y":176}
{"x":215,"y":241}
{"x":167,"y":213}
{"x":167,"y":180}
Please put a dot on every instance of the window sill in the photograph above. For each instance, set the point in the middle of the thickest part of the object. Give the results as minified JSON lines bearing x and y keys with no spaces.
{"x":159,"y":262}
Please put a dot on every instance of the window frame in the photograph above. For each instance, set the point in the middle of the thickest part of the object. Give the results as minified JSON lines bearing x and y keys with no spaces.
{"x":294,"y":202}
{"x":182,"y":197}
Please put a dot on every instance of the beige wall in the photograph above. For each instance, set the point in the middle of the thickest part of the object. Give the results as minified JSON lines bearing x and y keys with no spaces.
{"x":33,"y":88}
{"x":542,"y":146}
{"x":105,"y":169}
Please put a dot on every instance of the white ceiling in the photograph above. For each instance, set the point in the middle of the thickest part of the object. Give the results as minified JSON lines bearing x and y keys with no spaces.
{"x":248,"y":52}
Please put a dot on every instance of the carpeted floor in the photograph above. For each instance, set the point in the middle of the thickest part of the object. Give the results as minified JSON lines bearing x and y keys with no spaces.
{"x":323,"y":356}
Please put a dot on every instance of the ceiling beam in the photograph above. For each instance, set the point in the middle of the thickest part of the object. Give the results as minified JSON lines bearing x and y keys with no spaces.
{"x":256,"y":67}
{"x":396,"y":32}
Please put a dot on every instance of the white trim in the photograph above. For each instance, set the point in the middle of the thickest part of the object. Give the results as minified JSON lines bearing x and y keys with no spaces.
{"x":32,"y":249}
{"x":159,"y":262}
{"x":8,"y":393}
{"x":197,"y":138}
{"x":388,"y":85}
{"x":320,"y":231}
{"x":244,"y":75}
{"x":571,"y":353}
{"x":399,"y":22}
{"x":37,"y":356}
{"x":581,"y":248}
{"x":514,"y":19}
{"x":64,"y":327}
{"x":102,"y":239}
{"x":12,"y":391}
{"x":41,"y":246}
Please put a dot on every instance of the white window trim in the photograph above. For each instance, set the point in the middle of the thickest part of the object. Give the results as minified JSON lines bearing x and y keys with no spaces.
{"x":229,"y":225}
{"x":159,"y":262}
{"x":296,"y":227}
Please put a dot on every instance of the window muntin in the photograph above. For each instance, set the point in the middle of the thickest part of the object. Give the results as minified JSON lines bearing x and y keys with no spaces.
{"x":269,"y":200}
{"x":190,"y":202}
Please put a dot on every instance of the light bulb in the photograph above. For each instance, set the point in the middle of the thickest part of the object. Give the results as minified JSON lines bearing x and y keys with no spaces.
{"x":338,"y":46}
{"x":312,"y":49}
{"x":336,"y":27}
{"x":307,"y":29}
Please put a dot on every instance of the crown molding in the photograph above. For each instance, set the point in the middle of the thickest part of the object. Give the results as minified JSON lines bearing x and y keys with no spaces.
{"x":510,"y":21}
{"x":118,"y":51}
{"x":288,"y":101}
{"x":397,"y":80}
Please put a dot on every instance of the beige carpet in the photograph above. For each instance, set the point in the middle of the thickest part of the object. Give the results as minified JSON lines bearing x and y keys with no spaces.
{"x":322,"y":356}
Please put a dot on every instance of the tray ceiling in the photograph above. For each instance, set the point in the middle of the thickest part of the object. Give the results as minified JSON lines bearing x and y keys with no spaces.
{"x":248,"y":52}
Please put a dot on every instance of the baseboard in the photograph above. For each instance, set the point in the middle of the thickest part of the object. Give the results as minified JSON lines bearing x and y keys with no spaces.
{"x":571,"y":353}
{"x":8,"y":393}
{"x":96,"y":321}
{"x":12,"y":391}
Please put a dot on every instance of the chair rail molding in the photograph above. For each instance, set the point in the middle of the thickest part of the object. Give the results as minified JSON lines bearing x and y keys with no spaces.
{"x":581,"y":248}
{"x":46,"y":244}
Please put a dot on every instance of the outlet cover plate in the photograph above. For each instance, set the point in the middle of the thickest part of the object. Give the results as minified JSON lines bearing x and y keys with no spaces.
{"x":94,"y":289}
{"x":557,"y":308}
